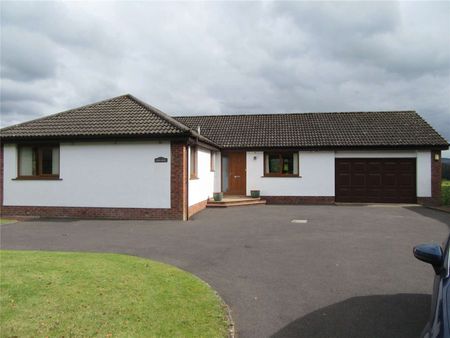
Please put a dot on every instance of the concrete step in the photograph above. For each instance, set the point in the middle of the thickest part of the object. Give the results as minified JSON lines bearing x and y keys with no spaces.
{"x":234,"y":202}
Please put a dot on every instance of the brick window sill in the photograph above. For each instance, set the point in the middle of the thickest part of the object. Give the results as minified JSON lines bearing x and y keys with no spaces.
{"x":37,"y":178}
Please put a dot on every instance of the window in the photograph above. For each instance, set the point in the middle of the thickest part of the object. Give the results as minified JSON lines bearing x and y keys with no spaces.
{"x":213,"y":160}
{"x":281,"y":164}
{"x":193,"y":163}
{"x":38,"y":162}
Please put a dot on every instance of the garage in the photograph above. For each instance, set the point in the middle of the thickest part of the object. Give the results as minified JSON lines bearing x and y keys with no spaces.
{"x":375,"y":180}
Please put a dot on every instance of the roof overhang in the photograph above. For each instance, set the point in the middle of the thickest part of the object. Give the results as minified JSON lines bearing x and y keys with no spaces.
{"x":97,"y":138}
{"x":328,"y":148}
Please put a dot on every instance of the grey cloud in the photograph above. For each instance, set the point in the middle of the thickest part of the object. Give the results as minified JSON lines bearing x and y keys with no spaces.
{"x":26,"y":55}
{"x":377,"y":34}
{"x":223,"y":57}
{"x":342,"y":19}
{"x":58,"y":21}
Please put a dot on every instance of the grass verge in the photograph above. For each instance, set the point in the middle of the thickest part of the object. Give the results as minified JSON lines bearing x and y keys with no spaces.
{"x":445,"y":192}
{"x":110,"y":295}
{"x":7,"y":220}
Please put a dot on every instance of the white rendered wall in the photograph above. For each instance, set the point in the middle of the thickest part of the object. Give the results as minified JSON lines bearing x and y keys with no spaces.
{"x":218,"y":173}
{"x":423,"y":174}
{"x":316,"y":171}
{"x":201,"y":188}
{"x":96,"y":174}
{"x":376,"y":154}
{"x":423,"y":164}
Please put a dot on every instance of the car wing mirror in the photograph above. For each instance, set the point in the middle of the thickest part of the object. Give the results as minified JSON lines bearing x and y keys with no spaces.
{"x":431,"y":254}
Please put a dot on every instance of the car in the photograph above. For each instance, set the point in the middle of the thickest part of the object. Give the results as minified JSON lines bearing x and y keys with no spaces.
{"x":439,"y":322}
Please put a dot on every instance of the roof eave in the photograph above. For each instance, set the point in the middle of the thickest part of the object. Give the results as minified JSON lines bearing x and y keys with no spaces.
{"x":343,"y":147}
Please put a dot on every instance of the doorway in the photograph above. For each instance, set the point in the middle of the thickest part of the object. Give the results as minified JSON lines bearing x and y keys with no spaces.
{"x":234,"y":173}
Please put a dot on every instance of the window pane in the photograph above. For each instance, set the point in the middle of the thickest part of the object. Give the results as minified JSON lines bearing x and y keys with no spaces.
{"x":281,"y":163}
{"x":225,"y":173}
{"x":213,"y":161}
{"x":274,"y":164}
{"x":55,"y":164}
{"x":295,"y":163}
{"x":26,"y":161}
{"x":47,"y":163}
{"x":193,"y":162}
{"x":288,"y":164}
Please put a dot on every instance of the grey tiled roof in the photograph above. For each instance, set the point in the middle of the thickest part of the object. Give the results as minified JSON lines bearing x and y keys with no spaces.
{"x":127,"y":116}
{"x":352,"y":129}
{"x":122,"y":115}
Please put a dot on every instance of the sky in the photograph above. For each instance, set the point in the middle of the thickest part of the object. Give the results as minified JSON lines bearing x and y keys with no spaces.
{"x":227,"y":57}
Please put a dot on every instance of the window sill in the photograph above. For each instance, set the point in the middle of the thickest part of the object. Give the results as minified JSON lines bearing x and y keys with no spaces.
{"x":281,"y":176}
{"x":37,"y":178}
{"x":193,"y":178}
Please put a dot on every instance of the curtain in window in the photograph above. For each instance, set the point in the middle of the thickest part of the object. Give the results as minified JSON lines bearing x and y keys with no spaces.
{"x":55,"y":161}
{"x":26,"y":161}
{"x":281,"y":163}
{"x":295,"y":163}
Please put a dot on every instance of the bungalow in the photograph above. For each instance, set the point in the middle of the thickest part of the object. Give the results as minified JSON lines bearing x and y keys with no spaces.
{"x":122,"y":158}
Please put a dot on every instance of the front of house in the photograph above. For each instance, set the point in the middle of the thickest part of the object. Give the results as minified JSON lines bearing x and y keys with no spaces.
{"x":121,"y":158}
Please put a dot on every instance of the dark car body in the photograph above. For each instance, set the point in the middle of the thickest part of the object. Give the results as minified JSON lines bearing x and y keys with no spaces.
{"x":439,"y":322}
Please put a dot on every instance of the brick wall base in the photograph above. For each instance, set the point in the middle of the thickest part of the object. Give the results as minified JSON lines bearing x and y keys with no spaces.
{"x":197,"y":207}
{"x":431,"y":201}
{"x":82,"y":212}
{"x":299,"y":199}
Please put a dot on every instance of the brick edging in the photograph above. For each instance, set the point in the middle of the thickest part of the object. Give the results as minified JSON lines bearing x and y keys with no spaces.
{"x":197,"y":207}
{"x":299,"y":199}
{"x":91,"y":212}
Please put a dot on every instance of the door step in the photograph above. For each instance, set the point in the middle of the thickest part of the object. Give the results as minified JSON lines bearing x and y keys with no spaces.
{"x":234,"y":202}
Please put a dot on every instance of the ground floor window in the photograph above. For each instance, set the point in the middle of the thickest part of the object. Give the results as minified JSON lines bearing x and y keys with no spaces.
{"x":281,"y":164}
{"x":213,"y":160}
{"x":193,"y":163}
{"x":38,"y":161}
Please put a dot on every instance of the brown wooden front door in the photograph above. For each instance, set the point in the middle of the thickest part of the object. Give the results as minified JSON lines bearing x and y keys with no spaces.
{"x":236,"y":173}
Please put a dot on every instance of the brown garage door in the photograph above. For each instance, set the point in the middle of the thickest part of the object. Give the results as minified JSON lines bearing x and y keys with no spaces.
{"x":376,"y":180}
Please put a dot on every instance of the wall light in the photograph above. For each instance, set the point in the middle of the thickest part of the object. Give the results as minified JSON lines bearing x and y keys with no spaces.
{"x":436,"y":157}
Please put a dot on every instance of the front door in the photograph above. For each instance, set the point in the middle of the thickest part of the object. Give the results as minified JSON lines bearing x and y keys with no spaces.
{"x":236,"y":173}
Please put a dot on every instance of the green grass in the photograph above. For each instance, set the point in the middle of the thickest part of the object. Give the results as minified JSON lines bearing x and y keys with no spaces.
{"x":7,"y":220}
{"x":445,"y":192}
{"x":83,"y":295}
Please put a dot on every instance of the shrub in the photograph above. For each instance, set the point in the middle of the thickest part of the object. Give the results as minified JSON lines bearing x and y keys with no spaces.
{"x":445,"y":192}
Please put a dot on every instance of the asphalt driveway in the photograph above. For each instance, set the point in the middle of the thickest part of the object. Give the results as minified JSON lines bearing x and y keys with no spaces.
{"x":347,"y":272}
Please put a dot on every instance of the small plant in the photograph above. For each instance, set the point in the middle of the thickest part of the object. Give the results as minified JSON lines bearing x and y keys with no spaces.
{"x":254,"y":193}
{"x":218,"y":196}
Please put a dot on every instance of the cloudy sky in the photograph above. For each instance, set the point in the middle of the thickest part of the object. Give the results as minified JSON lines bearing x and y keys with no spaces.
{"x":197,"y":58}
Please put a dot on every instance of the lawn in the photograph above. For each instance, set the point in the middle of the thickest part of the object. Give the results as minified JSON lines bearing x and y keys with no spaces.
{"x":445,"y":192}
{"x":104,"y":295}
{"x":7,"y":220}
